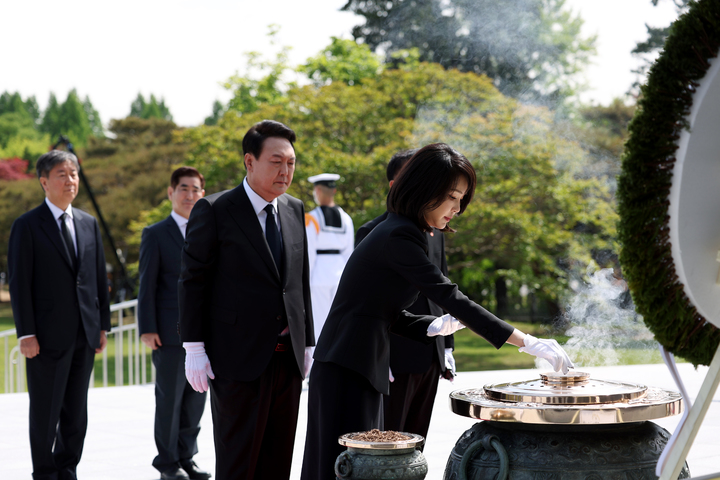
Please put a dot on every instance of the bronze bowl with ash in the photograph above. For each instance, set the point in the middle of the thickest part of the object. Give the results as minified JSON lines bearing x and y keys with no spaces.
{"x":376,"y":455}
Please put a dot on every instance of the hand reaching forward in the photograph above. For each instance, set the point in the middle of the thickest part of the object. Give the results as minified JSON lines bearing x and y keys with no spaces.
{"x":550,"y":350}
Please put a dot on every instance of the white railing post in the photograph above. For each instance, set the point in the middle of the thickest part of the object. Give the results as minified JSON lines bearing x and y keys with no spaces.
{"x":130,"y":357}
{"x":14,"y":377}
{"x":11,"y":369}
{"x":119,"y":353}
{"x":21,"y":372}
{"x":6,"y":354}
{"x":143,"y":363}
{"x":16,"y":370}
{"x":138,"y":346}
{"x":104,"y":366}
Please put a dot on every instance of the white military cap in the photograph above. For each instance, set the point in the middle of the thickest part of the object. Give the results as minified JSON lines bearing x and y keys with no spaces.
{"x":327,"y":179}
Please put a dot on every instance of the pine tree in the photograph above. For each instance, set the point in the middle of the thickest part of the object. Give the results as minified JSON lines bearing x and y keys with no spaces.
{"x":93,"y":118}
{"x":52,"y":118}
{"x":218,"y":110}
{"x":149,"y":109}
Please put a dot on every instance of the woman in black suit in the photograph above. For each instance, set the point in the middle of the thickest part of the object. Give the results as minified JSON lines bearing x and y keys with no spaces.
{"x":383,"y":277}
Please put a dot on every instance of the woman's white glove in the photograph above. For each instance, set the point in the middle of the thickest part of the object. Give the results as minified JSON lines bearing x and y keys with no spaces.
{"x":197,"y":366}
{"x":390,"y":375}
{"x":550,"y":350}
{"x":445,"y":325}
{"x":449,"y":364}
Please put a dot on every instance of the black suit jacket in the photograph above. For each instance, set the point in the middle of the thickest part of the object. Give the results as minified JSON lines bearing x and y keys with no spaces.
{"x":160,"y":250}
{"x":49,"y":298}
{"x":383,"y":278}
{"x":407,"y":356}
{"x":231,"y":295}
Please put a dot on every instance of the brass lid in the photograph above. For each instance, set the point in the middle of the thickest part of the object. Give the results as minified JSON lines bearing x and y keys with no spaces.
{"x":575,"y":388}
{"x":565,"y":400}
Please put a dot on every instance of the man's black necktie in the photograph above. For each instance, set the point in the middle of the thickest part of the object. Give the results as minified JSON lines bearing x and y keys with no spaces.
{"x":67,"y":238}
{"x":273,"y":237}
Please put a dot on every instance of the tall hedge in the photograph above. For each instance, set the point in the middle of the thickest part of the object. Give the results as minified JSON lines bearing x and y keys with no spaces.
{"x":644,"y":185}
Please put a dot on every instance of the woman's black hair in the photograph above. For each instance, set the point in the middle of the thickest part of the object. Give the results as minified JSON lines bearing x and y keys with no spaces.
{"x":425,"y":181}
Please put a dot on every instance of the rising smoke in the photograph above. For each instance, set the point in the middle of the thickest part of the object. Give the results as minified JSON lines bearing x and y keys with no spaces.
{"x":603,"y":325}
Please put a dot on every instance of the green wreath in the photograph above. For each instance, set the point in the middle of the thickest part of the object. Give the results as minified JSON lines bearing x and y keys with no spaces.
{"x":644,"y":186}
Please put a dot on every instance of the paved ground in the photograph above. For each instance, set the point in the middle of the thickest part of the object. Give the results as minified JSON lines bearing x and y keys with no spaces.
{"x":120,"y":444}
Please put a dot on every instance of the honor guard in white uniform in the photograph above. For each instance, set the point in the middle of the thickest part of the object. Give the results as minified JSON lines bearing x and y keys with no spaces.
{"x":333,"y":236}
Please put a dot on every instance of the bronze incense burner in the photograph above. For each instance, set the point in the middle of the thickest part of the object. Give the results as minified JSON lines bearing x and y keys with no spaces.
{"x":561,"y":427}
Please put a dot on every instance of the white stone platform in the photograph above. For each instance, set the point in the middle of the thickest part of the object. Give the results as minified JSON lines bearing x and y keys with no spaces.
{"x":119,"y":443}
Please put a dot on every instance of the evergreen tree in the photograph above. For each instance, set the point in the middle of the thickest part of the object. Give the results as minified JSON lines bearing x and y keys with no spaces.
{"x":52,"y":117}
{"x":529,"y":48}
{"x":32,"y":107}
{"x":647,"y":49}
{"x":69,"y":118}
{"x":13,"y":103}
{"x":164,"y":110}
{"x":218,"y":110}
{"x":150,"y":109}
{"x":19,"y":130}
{"x":137,"y":106}
{"x":93,"y":118}
{"x":75,"y":122}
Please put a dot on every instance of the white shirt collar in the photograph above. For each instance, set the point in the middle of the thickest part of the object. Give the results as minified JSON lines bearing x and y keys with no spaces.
{"x":179,"y":219}
{"x":257,"y":201}
{"x":57,"y":211}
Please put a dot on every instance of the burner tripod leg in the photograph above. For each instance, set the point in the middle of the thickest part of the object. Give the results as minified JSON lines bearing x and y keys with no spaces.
{"x":686,"y":435}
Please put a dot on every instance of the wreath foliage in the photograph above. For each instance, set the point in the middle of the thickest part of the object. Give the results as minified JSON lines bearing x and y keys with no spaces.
{"x":644,"y":186}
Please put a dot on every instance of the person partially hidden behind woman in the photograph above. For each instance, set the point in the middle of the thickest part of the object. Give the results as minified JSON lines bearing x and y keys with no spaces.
{"x":383,"y":277}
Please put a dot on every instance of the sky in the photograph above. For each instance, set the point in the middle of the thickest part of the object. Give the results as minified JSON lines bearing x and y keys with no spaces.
{"x":182,"y":50}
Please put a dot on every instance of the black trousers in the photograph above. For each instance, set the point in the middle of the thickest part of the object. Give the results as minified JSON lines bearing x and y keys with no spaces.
{"x":254,"y":422}
{"x":178,"y":409}
{"x":58,"y":386}
{"x":340,"y":401}
{"x":409,"y":406}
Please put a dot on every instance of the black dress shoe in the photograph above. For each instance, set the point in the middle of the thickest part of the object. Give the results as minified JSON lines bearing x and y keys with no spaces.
{"x":194,"y":473}
{"x":174,"y":473}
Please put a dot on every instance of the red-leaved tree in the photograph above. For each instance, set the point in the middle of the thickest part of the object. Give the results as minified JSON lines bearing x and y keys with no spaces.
{"x":14,"y":169}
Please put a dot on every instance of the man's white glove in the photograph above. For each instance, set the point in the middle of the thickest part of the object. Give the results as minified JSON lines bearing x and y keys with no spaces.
{"x":308,"y":359}
{"x":390,"y":375}
{"x":197,"y":366}
{"x":550,"y":350}
{"x":444,"y":325}
{"x":449,"y":365}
